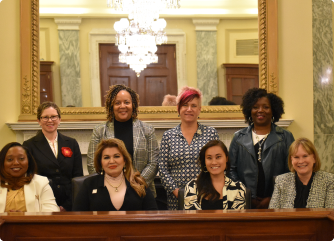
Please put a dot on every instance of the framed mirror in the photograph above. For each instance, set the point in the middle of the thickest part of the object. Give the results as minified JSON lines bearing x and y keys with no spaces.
{"x":30,"y":70}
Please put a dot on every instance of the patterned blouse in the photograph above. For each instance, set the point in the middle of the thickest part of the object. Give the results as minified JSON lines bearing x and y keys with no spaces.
{"x":234,"y":194}
{"x":178,"y":160}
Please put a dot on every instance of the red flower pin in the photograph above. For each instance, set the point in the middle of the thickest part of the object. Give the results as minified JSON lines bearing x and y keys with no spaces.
{"x":66,"y":151}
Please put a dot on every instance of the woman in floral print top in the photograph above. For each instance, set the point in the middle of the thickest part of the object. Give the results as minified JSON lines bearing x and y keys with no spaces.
{"x":181,"y":145}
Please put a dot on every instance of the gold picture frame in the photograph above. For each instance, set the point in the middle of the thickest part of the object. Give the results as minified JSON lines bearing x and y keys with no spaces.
{"x":29,"y":30}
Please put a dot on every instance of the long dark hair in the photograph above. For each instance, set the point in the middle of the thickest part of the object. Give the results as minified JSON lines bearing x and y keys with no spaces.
{"x":9,"y":181}
{"x":204,"y":183}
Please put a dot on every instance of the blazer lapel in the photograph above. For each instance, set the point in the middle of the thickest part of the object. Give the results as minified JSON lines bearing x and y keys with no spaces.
{"x":3,"y":197}
{"x":44,"y":147}
{"x":61,"y":143}
{"x":290,"y":191}
{"x":109,"y":130}
{"x":31,"y":197}
{"x":272,"y":139}
{"x":136,"y":136}
{"x":247,"y":141}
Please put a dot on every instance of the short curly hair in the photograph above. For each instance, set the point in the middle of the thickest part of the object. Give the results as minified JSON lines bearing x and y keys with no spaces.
{"x":253,"y":95}
{"x":110,"y":100}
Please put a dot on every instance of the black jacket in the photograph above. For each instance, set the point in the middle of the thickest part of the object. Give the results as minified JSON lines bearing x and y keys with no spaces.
{"x":99,"y":200}
{"x":275,"y":154}
{"x":59,"y":171}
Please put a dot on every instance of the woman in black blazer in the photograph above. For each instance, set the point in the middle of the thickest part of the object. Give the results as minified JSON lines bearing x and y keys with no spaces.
{"x":58,"y":157}
{"x":118,"y":187}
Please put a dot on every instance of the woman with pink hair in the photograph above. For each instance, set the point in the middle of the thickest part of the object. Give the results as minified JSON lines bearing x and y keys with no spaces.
{"x":180,"y":146}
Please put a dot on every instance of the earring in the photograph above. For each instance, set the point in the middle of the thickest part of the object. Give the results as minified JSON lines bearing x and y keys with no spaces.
{"x":205,"y":170}
{"x":197,"y":117}
{"x":250,"y":120}
{"x":178,"y":115}
{"x":273,"y":120}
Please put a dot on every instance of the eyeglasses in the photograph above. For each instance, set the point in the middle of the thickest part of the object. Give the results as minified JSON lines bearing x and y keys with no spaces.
{"x":46,"y":118}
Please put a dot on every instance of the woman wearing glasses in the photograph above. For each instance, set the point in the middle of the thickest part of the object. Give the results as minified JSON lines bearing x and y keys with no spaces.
{"x":58,"y":157}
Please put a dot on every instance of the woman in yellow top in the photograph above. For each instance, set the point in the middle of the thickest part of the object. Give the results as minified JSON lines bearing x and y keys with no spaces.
{"x":21,"y":190}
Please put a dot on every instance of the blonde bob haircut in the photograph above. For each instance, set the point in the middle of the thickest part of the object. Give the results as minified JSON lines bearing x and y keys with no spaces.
{"x":309,"y":148}
{"x":136,"y":181}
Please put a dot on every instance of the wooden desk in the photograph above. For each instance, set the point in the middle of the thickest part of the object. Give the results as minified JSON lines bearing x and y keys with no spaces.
{"x":303,"y":224}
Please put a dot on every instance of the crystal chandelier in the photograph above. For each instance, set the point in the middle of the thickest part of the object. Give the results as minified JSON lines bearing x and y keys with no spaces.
{"x":137,"y":38}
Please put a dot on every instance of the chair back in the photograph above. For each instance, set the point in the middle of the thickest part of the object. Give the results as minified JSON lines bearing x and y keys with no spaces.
{"x":77,"y":183}
{"x":248,"y":198}
{"x":180,"y":198}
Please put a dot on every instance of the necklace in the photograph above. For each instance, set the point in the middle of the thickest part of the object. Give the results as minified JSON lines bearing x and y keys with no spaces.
{"x":260,"y":143}
{"x":116,"y":190}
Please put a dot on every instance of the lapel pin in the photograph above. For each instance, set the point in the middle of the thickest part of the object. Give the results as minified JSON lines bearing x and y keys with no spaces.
{"x":94,"y":191}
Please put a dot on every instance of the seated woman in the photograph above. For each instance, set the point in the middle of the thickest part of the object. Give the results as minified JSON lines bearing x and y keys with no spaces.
{"x":117,"y":187}
{"x":305,"y":186}
{"x":21,"y":189}
{"x":212,"y":189}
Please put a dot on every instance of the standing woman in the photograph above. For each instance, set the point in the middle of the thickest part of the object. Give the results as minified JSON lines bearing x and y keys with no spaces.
{"x":139,"y":138}
{"x":181,"y":145}
{"x":58,"y":157}
{"x":260,"y":151}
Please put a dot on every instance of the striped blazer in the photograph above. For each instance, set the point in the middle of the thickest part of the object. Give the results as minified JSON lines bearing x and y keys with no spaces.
{"x":321,"y":193}
{"x":234,"y":194}
{"x":145,"y":148}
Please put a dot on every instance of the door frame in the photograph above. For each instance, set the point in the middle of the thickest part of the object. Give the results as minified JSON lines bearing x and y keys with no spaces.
{"x":97,"y":36}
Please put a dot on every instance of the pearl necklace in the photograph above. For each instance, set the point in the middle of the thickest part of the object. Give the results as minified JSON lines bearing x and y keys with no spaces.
{"x":260,"y":143}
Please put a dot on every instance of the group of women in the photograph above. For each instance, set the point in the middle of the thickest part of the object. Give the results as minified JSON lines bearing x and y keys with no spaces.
{"x":124,"y":152}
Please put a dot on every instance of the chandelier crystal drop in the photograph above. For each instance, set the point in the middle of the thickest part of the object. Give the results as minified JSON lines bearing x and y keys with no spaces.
{"x":137,"y":38}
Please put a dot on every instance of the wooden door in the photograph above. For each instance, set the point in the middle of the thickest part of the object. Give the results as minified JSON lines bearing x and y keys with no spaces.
{"x":154,"y":82}
{"x":239,"y":79}
{"x":46,"y":93}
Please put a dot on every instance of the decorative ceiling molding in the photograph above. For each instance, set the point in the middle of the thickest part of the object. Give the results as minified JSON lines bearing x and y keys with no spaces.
{"x":205,"y":24}
{"x":68,"y":23}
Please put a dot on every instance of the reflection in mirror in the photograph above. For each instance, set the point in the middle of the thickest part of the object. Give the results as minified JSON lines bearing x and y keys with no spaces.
{"x":80,"y":46}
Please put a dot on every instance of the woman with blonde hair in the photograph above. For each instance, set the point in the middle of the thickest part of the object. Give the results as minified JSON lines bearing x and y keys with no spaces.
{"x":305,"y":186}
{"x":117,"y":187}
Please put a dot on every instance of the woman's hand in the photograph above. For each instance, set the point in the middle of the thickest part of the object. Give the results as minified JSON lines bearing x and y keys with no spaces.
{"x":264,"y":203}
{"x":176,"y":192}
{"x":260,"y":203}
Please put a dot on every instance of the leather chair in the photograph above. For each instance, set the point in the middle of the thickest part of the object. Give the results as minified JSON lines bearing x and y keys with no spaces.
{"x":180,"y":198}
{"x":248,"y":197}
{"x":77,"y":183}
